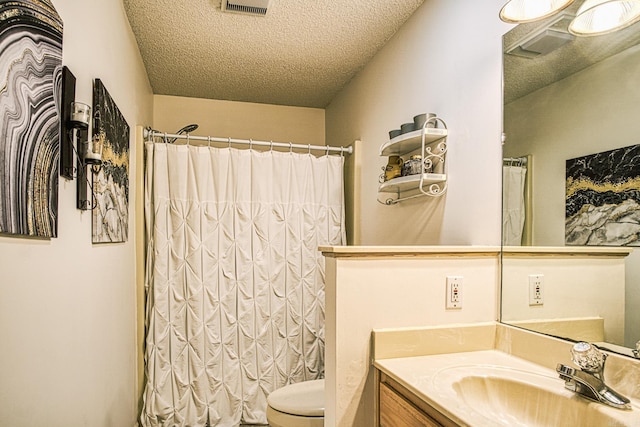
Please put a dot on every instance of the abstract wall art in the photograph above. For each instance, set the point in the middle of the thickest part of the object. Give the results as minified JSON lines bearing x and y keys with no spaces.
{"x":603,"y":199}
{"x":30,"y":75}
{"x":111,"y":180}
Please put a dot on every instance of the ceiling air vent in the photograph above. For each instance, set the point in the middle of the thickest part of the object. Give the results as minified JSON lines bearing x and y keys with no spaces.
{"x":544,"y":39}
{"x":249,"y":7}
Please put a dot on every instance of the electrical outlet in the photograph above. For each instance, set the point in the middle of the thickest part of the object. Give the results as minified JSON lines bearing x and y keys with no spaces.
{"x":536,"y":289}
{"x":454,"y":292}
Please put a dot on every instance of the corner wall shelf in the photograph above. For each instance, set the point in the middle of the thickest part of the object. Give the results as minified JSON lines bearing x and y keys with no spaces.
{"x":411,"y":182}
{"x":431,"y":142}
{"x":411,"y":141}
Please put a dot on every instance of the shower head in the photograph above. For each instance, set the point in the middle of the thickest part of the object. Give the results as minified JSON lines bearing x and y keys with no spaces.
{"x":186,"y":129}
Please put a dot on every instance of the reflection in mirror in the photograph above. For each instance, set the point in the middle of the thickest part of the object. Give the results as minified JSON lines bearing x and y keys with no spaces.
{"x":571,"y":176}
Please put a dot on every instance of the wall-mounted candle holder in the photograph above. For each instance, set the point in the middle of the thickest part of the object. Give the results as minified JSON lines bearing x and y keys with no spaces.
{"x":80,"y":115}
{"x":74,"y":139}
{"x":92,"y":151}
{"x":88,"y":153}
{"x":89,"y":162}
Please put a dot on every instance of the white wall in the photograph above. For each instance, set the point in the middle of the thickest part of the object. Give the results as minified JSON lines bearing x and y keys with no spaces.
{"x":67,"y":307}
{"x":446,"y":59}
{"x":583,"y":114}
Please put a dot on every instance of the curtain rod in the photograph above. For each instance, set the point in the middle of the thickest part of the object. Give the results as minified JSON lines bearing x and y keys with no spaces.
{"x":515,"y":160}
{"x":150,"y":133}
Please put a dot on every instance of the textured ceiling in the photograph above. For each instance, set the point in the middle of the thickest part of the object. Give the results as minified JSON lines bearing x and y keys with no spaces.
{"x":300,"y":54}
{"x":525,"y":75}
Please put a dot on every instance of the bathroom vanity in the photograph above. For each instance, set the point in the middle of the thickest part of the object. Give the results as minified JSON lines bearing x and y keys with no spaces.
{"x":500,"y":381}
{"x":368,"y":288}
{"x":400,"y":407}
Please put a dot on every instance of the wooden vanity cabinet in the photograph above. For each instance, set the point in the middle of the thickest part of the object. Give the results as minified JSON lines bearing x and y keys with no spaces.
{"x":399,"y":407}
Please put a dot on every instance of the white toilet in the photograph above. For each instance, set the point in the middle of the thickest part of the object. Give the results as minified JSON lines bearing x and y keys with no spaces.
{"x":297,"y":405}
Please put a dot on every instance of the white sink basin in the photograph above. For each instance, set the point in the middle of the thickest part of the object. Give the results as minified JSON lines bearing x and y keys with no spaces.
{"x":489,"y":388}
{"x":502,"y":396}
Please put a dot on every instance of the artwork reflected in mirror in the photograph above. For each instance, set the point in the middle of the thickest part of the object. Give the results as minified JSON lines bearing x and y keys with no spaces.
{"x":572,"y":113}
{"x":603,"y":195}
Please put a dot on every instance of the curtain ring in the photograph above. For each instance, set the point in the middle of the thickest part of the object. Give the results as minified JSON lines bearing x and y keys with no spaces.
{"x":229,"y":139}
{"x":290,"y":147}
{"x":341,"y":152}
{"x":187,"y":139}
{"x":309,"y":145}
{"x":327,"y":150}
{"x":250,"y":144}
{"x":209,"y":141}
{"x":271,"y":145}
{"x":165,"y":138}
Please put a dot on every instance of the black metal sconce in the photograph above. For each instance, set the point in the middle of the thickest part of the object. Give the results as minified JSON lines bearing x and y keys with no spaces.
{"x":67,"y":168}
{"x":89,"y":154}
{"x":76,"y":117}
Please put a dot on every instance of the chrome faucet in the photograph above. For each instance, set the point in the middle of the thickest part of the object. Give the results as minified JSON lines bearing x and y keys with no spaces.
{"x":588,"y":381}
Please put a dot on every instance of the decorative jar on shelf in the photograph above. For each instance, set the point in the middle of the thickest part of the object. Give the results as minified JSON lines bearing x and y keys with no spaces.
{"x":413,"y":166}
{"x":394,"y":168}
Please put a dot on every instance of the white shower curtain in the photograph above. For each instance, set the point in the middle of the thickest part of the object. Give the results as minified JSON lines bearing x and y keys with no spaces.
{"x":513,"y":209}
{"x":235,"y":281}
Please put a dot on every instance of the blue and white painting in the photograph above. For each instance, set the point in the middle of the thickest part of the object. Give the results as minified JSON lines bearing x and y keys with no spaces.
{"x":30,"y":81}
{"x":603,"y":199}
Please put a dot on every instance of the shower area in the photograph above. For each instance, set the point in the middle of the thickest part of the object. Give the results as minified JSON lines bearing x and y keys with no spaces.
{"x":516,"y":201}
{"x":234,"y":281}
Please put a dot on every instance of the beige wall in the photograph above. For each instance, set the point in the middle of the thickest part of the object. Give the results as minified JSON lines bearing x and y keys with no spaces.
{"x":445,"y":59}
{"x":242,"y":120}
{"x":585,"y":113}
{"x":67,"y":307}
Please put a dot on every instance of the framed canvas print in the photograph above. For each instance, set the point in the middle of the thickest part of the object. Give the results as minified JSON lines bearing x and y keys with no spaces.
{"x":30,"y":74}
{"x":110,"y":216}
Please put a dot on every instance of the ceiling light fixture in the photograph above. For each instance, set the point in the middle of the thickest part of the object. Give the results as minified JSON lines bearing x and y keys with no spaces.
{"x":520,"y":11}
{"x":597,"y":17}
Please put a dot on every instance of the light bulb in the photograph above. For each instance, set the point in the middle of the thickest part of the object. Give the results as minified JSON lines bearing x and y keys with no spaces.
{"x":519,"y":11}
{"x":597,"y":17}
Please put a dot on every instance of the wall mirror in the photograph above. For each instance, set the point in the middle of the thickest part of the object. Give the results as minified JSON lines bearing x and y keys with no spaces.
{"x":572,"y":102}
